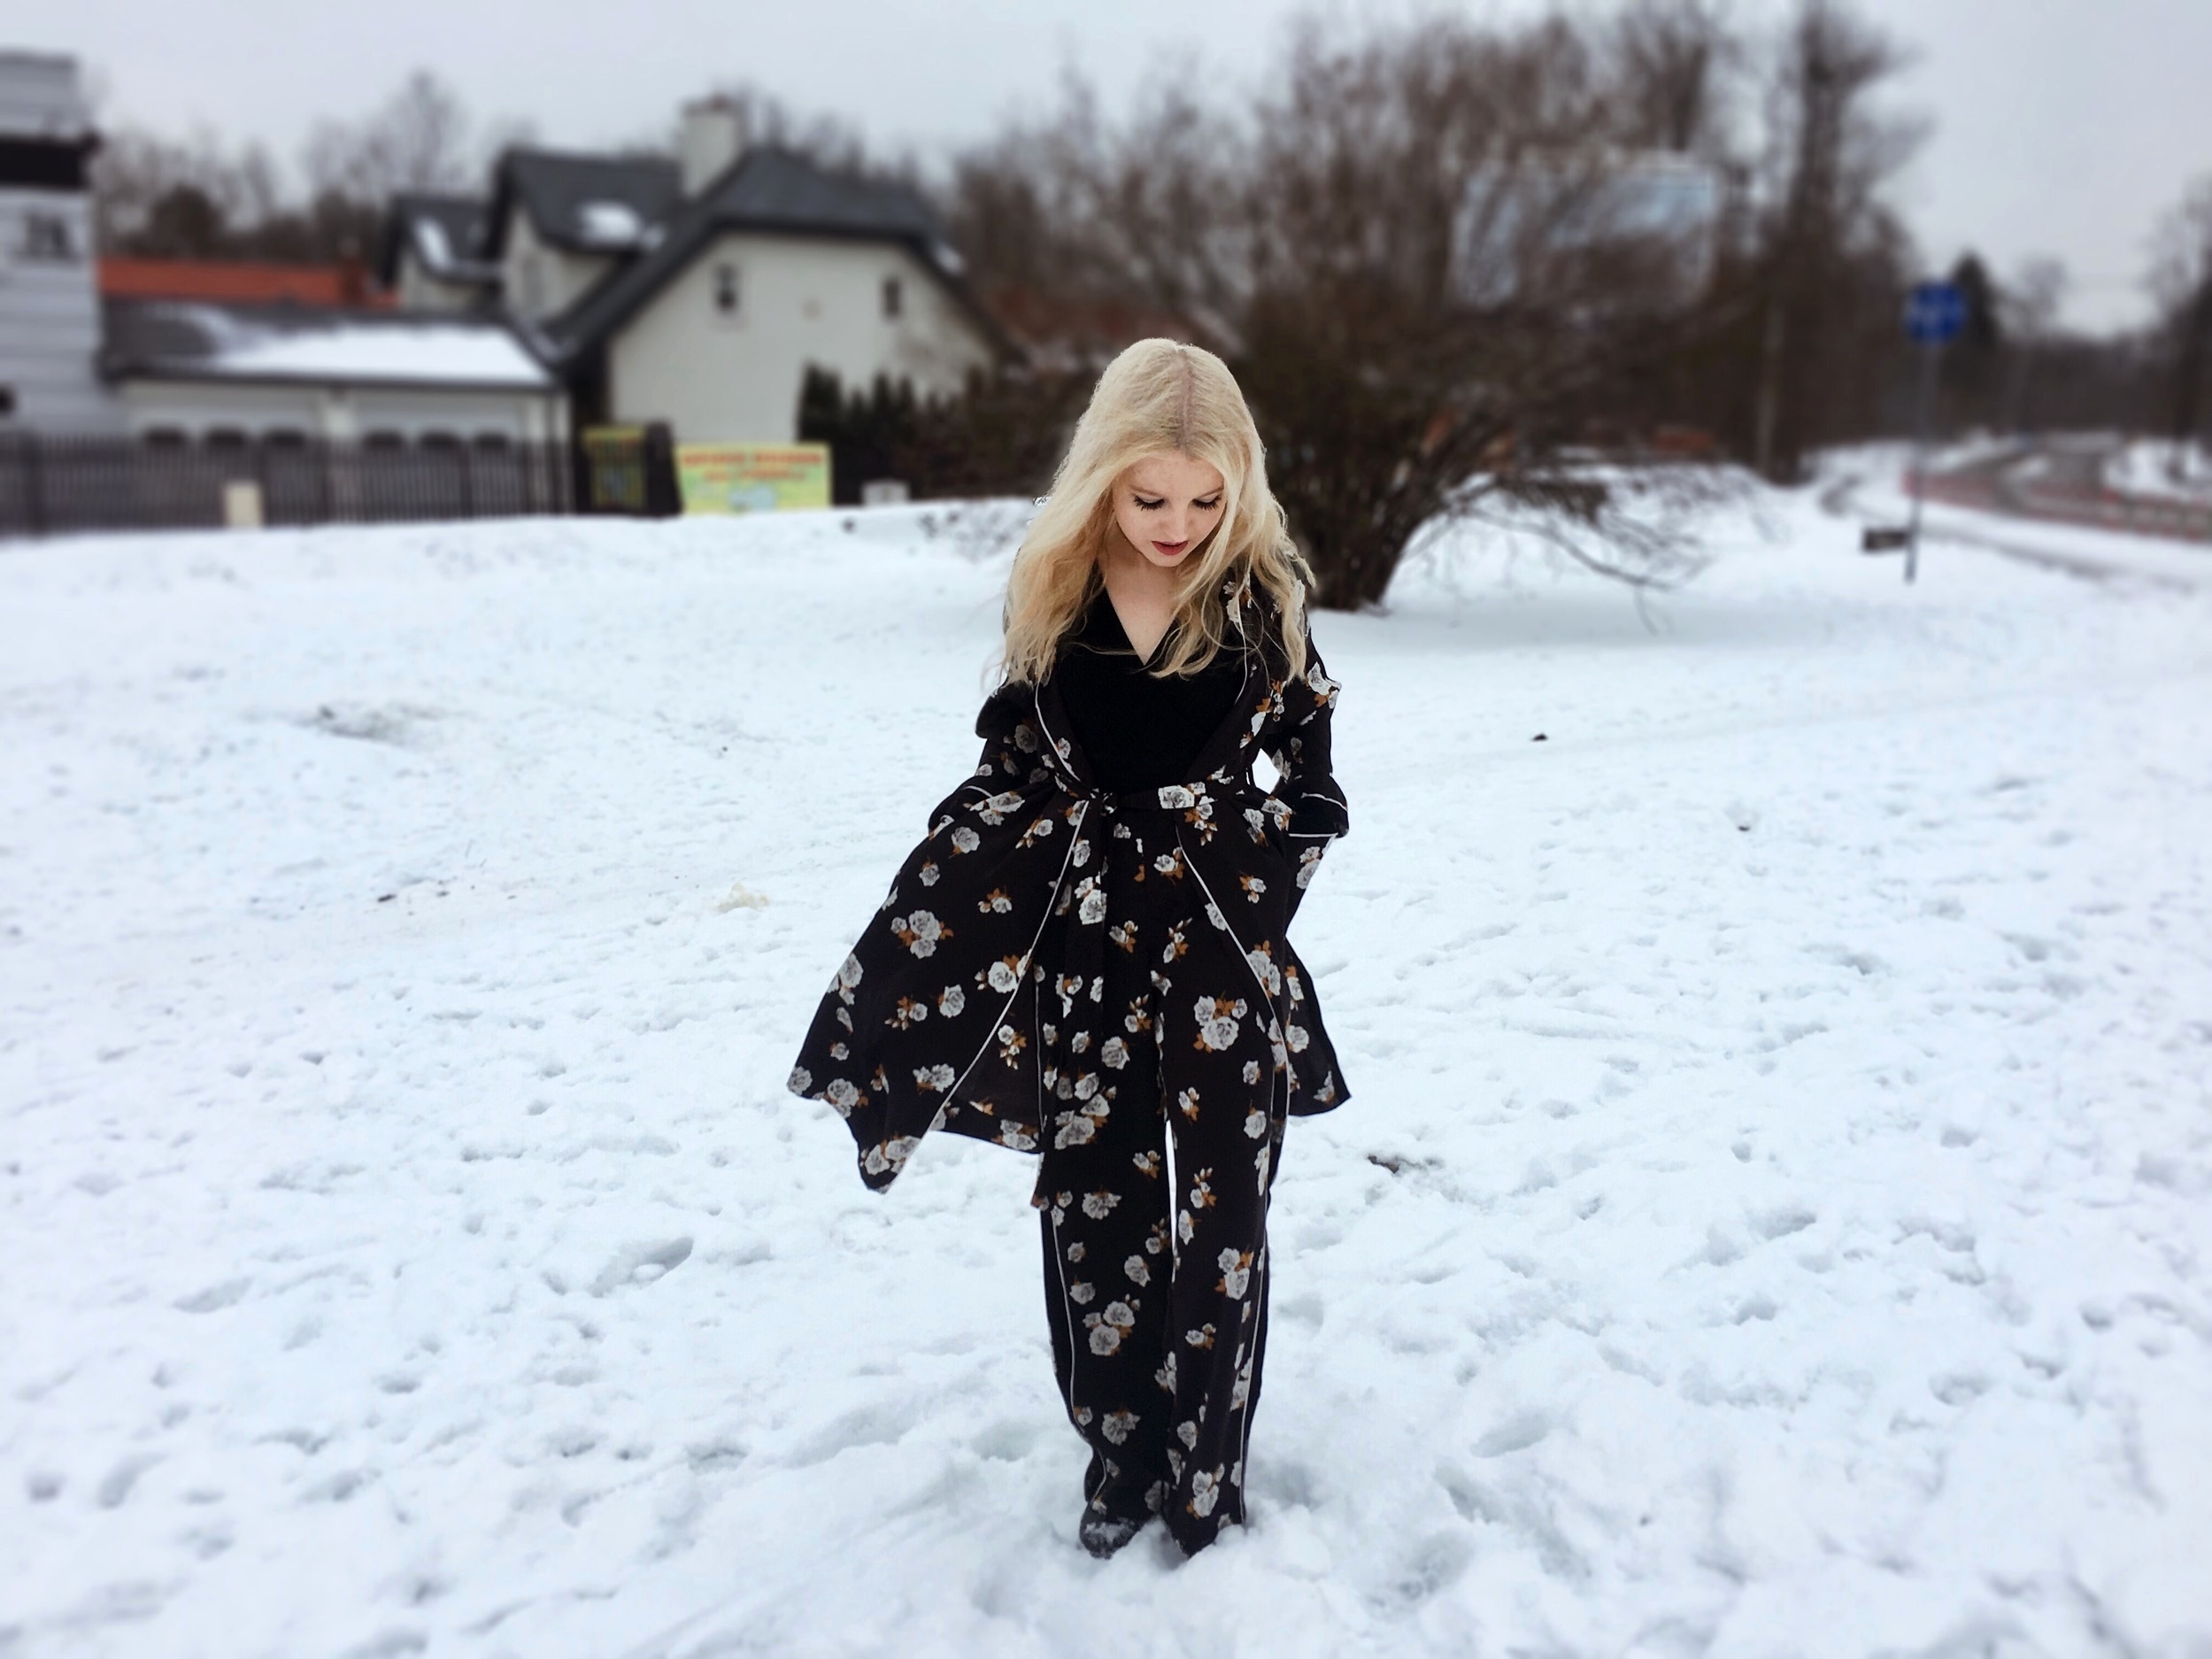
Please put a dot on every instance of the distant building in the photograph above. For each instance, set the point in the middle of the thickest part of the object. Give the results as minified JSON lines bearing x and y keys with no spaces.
{"x":428,"y":262}
{"x":698,"y":291}
{"x":222,"y":353}
{"x":558,"y":225}
{"x":1662,"y":210}
{"x":50,"y":308}
{"x":235,"y":374}
{"x":581,"y":288}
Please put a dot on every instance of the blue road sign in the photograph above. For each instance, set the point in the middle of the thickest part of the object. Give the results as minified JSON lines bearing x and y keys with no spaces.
{"x":1934,"y":313}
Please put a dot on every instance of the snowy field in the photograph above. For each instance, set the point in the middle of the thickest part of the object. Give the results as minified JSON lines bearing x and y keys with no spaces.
{"x":1774,"y":1218}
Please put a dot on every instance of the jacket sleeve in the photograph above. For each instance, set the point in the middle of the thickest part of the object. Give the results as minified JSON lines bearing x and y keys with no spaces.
{"x":1301,"y":755}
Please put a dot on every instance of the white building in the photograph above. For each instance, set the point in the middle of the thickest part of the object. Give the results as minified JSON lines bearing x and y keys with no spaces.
{"x":225,"y":374}
{"x":558,"y":225}
{"x":50,"y":306}
{"x":233,"y":375}
{"x":584,"y":289}
{"x":699,"y":291}
{"x":1519,"y":224}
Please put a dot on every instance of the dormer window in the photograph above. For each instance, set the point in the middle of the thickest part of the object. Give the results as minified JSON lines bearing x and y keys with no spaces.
{"x":894,"y":298}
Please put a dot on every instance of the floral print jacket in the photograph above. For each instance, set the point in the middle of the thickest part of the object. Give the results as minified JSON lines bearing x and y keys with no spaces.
{"x":933,"y":1019}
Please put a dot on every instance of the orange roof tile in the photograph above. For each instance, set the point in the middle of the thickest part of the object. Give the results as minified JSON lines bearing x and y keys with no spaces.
{"x":237,"y":281}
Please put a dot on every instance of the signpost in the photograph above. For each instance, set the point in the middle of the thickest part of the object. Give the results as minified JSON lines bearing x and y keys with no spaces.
{"x":1934,"y":315}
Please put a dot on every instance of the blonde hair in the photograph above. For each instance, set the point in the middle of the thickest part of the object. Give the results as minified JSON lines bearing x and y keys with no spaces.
{"x":1159,"y":396}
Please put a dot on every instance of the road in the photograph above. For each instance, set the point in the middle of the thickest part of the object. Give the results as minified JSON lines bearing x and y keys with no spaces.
{"x":2062,"y":480}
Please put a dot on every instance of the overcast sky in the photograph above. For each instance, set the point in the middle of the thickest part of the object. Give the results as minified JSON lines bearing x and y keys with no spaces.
{"x":2062,"y":127}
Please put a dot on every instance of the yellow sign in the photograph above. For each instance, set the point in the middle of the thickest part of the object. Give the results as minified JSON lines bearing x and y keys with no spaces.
{"x":752,"y":477}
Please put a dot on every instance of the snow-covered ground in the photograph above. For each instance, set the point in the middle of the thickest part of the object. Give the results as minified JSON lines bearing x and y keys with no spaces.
{"x":1774,"y":1218}
{"x":2158,"y":467}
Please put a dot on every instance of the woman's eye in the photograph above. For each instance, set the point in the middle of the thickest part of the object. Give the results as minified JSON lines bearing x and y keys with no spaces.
{"x":1207,"y":506}
{"x":1151,"y":506}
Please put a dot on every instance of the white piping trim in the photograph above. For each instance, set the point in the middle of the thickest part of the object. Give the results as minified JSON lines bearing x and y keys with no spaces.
{"x":1258,"y":1331}
{"x":1029,"y":962}
{"x":1244,"y":1451}
{"x":1066,"y":1323}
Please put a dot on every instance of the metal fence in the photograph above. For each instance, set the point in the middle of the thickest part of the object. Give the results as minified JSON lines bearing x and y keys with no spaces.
{"x":50,"y":483}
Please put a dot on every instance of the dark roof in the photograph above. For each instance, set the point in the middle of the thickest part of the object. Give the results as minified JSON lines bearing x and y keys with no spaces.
{"x":767,"y":190}
{"x":585,"y":203}
{"x":156,"y":339}
{"x":446,"y":232}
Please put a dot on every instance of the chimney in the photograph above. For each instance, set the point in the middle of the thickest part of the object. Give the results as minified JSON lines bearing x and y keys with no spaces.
{"x":712,"y":136}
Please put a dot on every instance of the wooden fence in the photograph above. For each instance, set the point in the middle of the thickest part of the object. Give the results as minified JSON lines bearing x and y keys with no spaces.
{"x":50,"y":484}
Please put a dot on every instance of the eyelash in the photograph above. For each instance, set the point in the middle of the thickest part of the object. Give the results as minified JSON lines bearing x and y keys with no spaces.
{"x":1154,"y":507}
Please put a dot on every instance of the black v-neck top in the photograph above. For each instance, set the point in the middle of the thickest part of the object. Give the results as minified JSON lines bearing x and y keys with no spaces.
{"x":1139,"y":731}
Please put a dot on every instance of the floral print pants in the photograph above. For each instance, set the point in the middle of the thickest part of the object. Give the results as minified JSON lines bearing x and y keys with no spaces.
{"x":1163,"y":1069}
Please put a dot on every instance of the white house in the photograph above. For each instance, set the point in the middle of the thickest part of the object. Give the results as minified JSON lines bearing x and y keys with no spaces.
{"x":699,"y":291}
{"x":232,"y":374}
{"x":49,"y":306}
{"x":558,"y":225}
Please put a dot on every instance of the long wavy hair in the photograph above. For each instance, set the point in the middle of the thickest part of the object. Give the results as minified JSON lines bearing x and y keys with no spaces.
{"x":1159,"y":396}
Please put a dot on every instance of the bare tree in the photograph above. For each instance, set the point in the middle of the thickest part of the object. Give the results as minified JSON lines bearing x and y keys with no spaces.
{"x":2181,"y":283}
{"x":1829,"y":152}
{"x":1676,"y":64}
{"x":2029,"y":305}
{"x":1426,"y":253}
{"x":417,"y":139}
{"x":199,"y":199}
{"x":178,"y":198}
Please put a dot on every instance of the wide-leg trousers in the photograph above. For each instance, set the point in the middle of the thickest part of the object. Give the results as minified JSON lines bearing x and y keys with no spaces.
{"x":1160,"y":1061}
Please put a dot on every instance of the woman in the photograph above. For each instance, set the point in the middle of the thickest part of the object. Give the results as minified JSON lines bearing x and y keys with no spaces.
{"x":1085,"y":957}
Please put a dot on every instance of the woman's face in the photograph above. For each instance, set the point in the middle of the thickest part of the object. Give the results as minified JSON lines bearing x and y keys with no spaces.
{"x":1167,"y":505}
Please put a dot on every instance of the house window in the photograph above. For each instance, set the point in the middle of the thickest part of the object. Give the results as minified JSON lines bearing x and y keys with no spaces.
{"x":165,"y":437}
{"x":46,"y":236}
{"x":224,"y":439}
{"x":7,"y":401}
{"x":492,"y":442}
{"x":384,"y":439}
{"x":729,"y":294}
{"x":285,"y":438}
{"x":894,"y":297}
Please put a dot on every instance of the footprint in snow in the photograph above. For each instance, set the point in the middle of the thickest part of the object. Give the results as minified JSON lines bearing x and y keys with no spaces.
{"x":642,"y":1264}
{"x":215,"y":1297}
{"x":1516,"y":1433}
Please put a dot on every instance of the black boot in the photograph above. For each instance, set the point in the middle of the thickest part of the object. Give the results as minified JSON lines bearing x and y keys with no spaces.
{"x":1103,"y":1535}
{"x":1117,"y":1513}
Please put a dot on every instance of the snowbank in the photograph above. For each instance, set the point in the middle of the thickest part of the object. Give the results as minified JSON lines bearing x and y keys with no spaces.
{"x":1772,"y":1217}
{"x":2152,"y":466}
